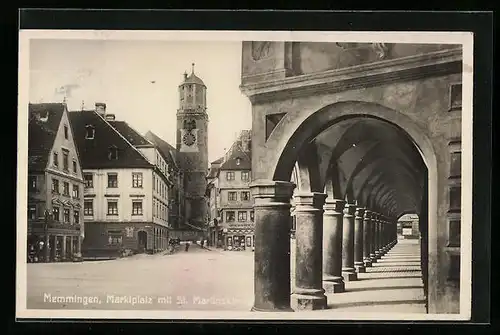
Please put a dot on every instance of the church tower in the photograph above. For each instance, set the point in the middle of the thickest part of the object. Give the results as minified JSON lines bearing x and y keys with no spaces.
{"x":192,"y":146}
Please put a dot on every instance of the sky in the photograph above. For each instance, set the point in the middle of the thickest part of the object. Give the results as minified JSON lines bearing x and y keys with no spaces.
{"x":138,"y":81}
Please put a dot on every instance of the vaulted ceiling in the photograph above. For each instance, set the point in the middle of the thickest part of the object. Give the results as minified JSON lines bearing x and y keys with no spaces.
{"x":372,"y":162}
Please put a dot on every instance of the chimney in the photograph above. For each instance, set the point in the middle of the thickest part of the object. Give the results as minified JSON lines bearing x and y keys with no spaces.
{"x":100,"y":108}
{"x":110,"y":117}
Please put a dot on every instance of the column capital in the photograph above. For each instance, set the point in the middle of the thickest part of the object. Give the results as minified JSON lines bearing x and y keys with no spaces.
{"x":359,"y":212}
{"x":349,"y":209}
{"x":315,"y":199}
{"x":334,"y":206}
{"x":368,"y":214}
{"x":271,"y":192}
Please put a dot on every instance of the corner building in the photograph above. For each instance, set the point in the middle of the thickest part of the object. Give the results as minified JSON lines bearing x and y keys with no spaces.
{"x":361,"y":128}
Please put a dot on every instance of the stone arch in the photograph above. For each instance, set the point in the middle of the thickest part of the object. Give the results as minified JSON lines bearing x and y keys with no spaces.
{"x":291,"y":133}
{"x":307,"y":170}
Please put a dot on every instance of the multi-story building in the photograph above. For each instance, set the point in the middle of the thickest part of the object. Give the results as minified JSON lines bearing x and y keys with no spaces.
{"x":127,"y":182}
{"x":55,"y":186}
{"x":176,"y":194}
{"x":234,"y":204}
{"x":213,"y":200}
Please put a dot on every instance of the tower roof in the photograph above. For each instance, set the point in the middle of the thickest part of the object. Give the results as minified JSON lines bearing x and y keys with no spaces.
{"x":192,"y":78}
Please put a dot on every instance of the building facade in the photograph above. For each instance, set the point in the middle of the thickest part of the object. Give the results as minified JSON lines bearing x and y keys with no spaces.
{"x":55,"y":186}
{"x":127,"y":187}
{"x":230,"y":200}
{"x":368,"y":126}
{"x":192,"y":149}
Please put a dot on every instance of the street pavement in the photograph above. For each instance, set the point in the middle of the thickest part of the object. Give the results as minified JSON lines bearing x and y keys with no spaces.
{"x":203,"y":279}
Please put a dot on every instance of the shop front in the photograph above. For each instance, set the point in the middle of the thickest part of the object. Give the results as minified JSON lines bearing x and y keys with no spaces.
{"x":239,"y":240}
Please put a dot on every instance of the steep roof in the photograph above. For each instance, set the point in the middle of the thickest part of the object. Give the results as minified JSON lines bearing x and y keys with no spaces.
{"x":132,"y":135}
{"x":245,"y":160}
{"x":193,"y":79}
{"x":94,"y":152}
{"x":44,"y":120}
{"x":166,"y":149}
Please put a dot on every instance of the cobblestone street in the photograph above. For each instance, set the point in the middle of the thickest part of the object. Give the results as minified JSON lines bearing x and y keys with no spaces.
{"x":202,"y":279}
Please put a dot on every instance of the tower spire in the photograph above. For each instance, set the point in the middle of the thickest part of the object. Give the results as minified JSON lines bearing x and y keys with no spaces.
{"x":192,"y":67}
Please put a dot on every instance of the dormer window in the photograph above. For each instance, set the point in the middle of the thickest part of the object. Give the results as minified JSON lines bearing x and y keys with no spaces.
{"x":65,"y":131}
{"x":238,"y":161}
{"x":113,"y":153}
{"x":89,"y":132}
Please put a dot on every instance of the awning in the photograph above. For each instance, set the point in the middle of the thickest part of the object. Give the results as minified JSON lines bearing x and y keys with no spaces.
{"x":76,"y":205}
{"x":67,"y":203}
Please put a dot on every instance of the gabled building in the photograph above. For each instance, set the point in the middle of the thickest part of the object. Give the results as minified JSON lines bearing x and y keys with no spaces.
{"x":55,"y":186}
{"x":127,"y":185}
{"x":228,"y":186}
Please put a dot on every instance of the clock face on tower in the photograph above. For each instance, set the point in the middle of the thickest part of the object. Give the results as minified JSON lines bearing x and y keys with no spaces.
{"x":189,"y":139}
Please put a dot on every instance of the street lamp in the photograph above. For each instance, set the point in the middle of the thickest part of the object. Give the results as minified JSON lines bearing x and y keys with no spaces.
{"x":47,"y":215}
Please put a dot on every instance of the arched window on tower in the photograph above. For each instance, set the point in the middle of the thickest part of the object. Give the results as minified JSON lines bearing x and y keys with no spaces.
{"x":181,"y":93}
{"x":199,"y":95}
{"x":190,"y":94}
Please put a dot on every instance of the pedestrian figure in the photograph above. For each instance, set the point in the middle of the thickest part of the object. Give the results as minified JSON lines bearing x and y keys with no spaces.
{"x":202,"y":242}
{"x":187,"y":246}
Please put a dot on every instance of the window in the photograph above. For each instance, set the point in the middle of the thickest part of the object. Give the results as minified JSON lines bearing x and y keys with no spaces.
{"x":245,"y":195}
{"x":32,"y":183}
{"x":65,"y":160}
{"x":89,"y":180}
{"x":238,"y":161}
{"x":137,"y":179}
{"x":66,"y":215}
{"x":456,"y":164}
{"x":113,"y":153}
{"x":454,"y":233}
{"x":249,"y":241}
{"x":65,"y":131}
{"x":112,"y":180}
{"x":242,"y":216}
{"x":88,"y":207}
{"x":456,"y":96}
{"x":114,"y":237}
{"x":55,"y":213}
{"x":136,"y":207}
{"x":55,"y":186}
{"x":66,"y":188}
{"x":454,"y":269}
{"x":32,"y":212}
{"x":230,"y":175}
{"x":112,"y":207}
{"x":154,"y":182}
{"x":74,"y":166}
{"x":455,"y":197}
{"x":231,"y":196}
{"x":230,"y":216}
{"x":245,"y":175}
{"x":76,"y":191}
{"x":56,"y":159}
{"x":251,"y":216}
{"x":76,"y":216}
{"x":89,"y":132}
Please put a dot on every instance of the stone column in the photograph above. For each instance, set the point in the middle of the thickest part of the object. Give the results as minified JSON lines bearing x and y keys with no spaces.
{"x":53,"y":249}
{"x":381,"y":236}
{"x":272,"y":245}
{"x":63,"y":251}
{"x":367,"y":239}
{"x":308,"y":293}
{"x":348,"y":270}
{"x":377,"y":236}
{"x":332,"y":246}
{"x":373,"y":237}
{"x":79,"y":247}
{"x":359,"y":265}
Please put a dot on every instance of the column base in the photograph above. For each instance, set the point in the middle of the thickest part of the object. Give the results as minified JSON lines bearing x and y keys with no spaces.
{"x":373,"y":258}
{"x":302,"y":302}
{"x":350,"y":275}
{"x":334,"y":285}
{"x":377,"y":255}
{"x":367,"y":262}
{"x":284,"y":309}
{"x":360,"y":267}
